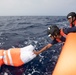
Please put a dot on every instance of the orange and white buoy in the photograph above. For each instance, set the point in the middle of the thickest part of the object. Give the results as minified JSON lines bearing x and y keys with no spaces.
{"x":66,"y":64}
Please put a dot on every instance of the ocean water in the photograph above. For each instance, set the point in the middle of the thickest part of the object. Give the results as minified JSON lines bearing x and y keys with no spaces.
{"x":19,"y":31}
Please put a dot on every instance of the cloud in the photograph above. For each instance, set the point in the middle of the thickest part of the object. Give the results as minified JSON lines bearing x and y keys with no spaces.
{"x":36,"y":7}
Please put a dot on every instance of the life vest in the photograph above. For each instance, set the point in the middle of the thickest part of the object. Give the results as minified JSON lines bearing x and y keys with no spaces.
{"x":18,"y":56}
{"x":62,"y":34}
{"x":74,"y":24}
{"x":1,"y":57}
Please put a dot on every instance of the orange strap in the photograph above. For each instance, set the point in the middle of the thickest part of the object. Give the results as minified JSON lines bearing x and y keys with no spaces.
{"x":63,"y":34}
{"x":74,"y":24}
{"x":58,"y":40}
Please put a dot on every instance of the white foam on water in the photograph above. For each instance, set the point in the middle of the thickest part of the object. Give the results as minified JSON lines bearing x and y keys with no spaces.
{"x":5,"y":73}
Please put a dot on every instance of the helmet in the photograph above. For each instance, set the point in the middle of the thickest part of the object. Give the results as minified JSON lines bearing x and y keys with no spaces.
{"x":71,"y":15}
{"x":53,"y":30}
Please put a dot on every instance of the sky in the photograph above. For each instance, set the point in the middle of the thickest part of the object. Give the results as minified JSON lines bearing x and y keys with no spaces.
{"x":37,"y":7}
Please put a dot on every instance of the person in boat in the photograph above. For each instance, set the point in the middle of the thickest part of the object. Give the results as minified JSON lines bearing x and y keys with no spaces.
{"x":72,"y":19}
{"x":57,"y":35}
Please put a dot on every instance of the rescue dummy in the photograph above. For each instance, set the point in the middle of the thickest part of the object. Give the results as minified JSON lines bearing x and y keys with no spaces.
{"x":18,"y":56}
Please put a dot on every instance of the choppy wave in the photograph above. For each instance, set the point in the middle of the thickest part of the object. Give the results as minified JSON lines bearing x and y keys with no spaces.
{"x":19,"y":31}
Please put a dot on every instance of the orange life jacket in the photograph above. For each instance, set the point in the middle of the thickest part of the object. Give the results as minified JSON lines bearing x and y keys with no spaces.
{"x":62,"y":34}
{"x":74,"y":24}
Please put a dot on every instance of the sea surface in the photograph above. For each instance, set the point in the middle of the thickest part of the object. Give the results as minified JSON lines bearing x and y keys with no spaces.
{"x":20,"y":31}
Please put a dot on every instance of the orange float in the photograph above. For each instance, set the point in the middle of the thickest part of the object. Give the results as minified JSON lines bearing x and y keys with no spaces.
{"x":66,"y":64}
